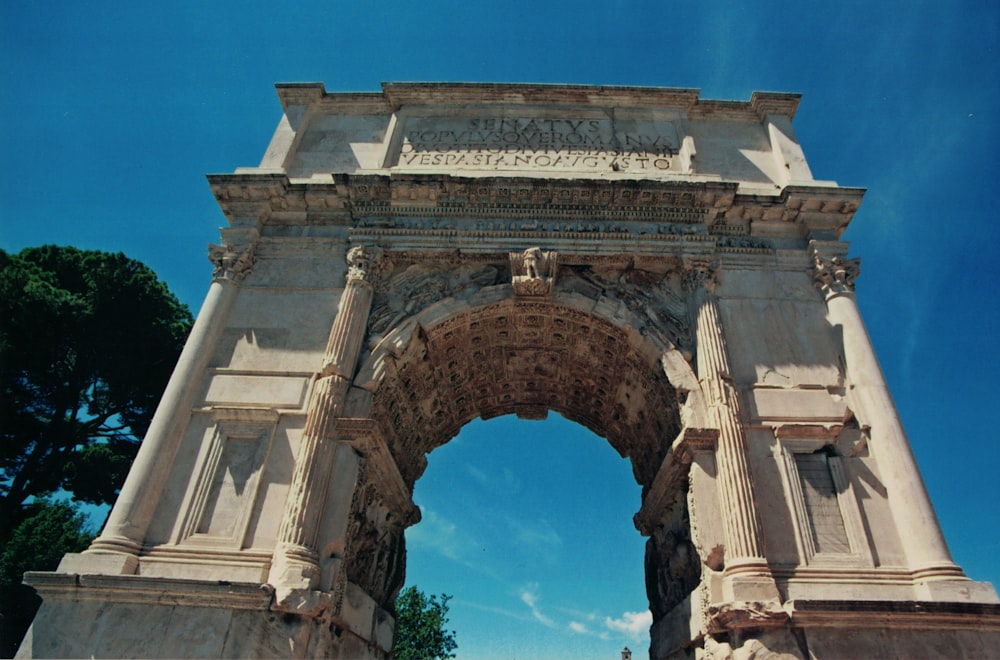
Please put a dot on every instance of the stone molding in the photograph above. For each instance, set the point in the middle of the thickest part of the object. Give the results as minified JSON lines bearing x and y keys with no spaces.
{"x":346,"y":199}
{"x":396,"y":95}
{"x":924,"y":615}
{"x":151,"y":590}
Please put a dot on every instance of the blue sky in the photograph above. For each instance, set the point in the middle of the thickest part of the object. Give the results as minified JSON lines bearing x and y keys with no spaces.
{"x":113,"y":112}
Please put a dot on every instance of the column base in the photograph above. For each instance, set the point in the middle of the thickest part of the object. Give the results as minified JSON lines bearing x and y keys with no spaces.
{"x":294,"y":571}
{"x":93,"y":562}
{"x":956,"y":591}
{"x":113,"y":543}
{"x":749,"y":581}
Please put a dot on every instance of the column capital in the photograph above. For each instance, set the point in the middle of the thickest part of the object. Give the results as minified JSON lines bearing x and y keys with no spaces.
{"x":700,"y":272}
{"x":364,"y":264}
{"x":832,"y":271}
{"x":231,"y":263}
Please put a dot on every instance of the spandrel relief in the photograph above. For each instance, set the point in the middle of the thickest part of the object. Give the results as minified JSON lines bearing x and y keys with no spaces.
{"x":410,"y":290}
{"x":656,"y":298}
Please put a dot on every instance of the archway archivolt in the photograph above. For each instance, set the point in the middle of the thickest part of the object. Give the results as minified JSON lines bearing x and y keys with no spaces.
{"x":499,"y":354}
{"x":604,"y":360}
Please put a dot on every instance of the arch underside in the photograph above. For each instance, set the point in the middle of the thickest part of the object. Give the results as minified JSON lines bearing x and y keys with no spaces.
{"x":526,"y":356}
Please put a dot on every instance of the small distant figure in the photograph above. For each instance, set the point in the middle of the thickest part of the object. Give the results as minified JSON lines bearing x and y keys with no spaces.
{"x":626,"y":654}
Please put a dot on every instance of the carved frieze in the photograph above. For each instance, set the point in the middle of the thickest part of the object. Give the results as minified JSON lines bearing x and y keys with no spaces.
{"x":375,"y":554}
{"x":656,"y":298}
{"x":408,"y":290}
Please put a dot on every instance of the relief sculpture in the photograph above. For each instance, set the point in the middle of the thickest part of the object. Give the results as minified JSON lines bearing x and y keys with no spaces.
{"x":412,"y":289}
{"x":533,"y":272}
{"x":651,"y":296}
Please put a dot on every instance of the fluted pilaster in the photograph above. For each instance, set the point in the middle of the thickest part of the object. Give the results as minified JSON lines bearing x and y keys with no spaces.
{"x":296,"y":561}
{"x":744,"y":545}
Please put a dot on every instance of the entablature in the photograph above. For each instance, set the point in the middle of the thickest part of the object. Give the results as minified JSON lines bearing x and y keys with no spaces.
{"x":359,"y":200}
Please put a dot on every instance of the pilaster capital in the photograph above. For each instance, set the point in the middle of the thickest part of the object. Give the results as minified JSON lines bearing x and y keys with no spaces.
{"x":364,"y":264}
{"x":832,"y":271}
{"x":231,"y":263}
{"x":700,"y":273}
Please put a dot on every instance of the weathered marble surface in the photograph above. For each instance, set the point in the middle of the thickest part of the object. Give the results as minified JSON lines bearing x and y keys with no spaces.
{"x":658,"y":267}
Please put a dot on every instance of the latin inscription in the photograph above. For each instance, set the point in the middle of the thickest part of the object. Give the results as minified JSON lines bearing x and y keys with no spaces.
{"x":505,"y":143}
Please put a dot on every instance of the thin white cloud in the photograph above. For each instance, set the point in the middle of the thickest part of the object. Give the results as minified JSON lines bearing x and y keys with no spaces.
{"x":504,"y":482}
{"x":582,"y":629}
{"x":634,"y":624}
{"x":529,"y":596}
{"x":440,"y":535}
{"x":534,"y":534}
{"x":517,"y":616}
{"x":478,"y":474}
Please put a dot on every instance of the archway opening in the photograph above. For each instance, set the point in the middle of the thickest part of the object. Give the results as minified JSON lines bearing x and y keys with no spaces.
{"x":588,"y":361}
{"x":527,"y":524}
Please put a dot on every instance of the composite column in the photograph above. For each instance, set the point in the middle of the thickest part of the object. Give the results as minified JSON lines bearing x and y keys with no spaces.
{"x":926,"y":551}
{"x":129,"y":520}
{"x":745,"y":556}
{"x":296,"y":560}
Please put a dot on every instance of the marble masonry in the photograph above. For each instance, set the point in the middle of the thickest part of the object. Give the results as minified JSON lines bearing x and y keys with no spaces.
{"x":661,"y":268}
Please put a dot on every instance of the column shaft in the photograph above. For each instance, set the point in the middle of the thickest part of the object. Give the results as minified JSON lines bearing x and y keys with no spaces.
{"x":919,"y":530}
{"x":133,"y":510}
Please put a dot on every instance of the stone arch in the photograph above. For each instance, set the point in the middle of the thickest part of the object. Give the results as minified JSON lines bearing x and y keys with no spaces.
{"x":496,"y":353}
{"x":525,"y":356}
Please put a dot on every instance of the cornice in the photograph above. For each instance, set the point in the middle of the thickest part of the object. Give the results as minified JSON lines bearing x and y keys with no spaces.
{"x":896,"y":614}
{"x":348,"y":199}
{"x":397,"y":95}
{"x":151,"y":590}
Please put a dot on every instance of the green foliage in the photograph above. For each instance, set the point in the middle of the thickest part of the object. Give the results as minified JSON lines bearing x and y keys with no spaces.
{"x":87,"y":343}
{"x":420,"y":627}
{"x":48,"y":531}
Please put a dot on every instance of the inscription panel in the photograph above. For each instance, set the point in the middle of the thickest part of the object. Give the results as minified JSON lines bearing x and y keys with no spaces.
{"x":536,"y":143}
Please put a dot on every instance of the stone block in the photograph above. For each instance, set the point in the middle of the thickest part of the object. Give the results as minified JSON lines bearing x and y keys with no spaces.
{"x":98,"y":563}
{"x":357,"y":611}
{"x":273,"y":391}
{"x":385,"y":629}
{"x":791,"y":405}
